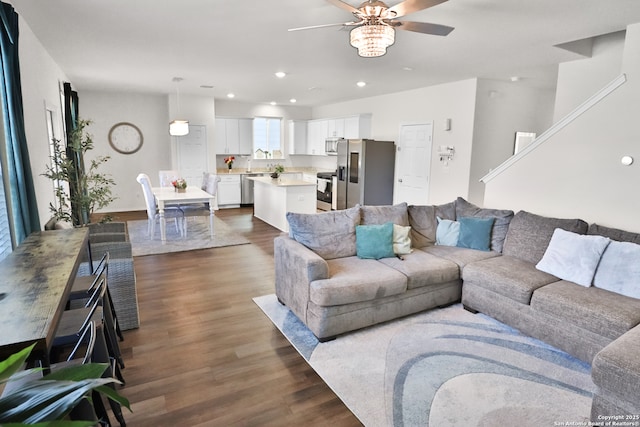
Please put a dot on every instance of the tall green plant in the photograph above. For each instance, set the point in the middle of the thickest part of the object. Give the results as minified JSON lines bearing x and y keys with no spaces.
{"x":85,"y":189}
{"x":48,"y":400}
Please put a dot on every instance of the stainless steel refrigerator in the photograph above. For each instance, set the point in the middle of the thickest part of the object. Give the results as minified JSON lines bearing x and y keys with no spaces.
{"x":365,"y":172}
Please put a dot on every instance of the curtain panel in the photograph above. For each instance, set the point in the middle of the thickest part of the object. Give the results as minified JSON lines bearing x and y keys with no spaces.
{"x":21,"y":198}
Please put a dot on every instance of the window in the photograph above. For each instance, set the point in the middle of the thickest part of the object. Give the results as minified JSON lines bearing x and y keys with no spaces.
{"x":267,"y":138}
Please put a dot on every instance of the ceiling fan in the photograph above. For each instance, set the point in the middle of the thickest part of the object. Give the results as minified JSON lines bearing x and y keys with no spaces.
{"x":374,"y":29}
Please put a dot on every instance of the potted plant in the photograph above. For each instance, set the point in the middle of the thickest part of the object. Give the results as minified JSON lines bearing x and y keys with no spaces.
{"x":278,"y":169}
{"x":79,"y":191}
{"x":49,"y":399}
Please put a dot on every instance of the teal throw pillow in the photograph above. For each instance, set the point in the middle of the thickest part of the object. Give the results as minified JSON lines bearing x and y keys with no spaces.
{"x":447,"y":232}
{"x":374,"y":241}
{"x":475,"y":233}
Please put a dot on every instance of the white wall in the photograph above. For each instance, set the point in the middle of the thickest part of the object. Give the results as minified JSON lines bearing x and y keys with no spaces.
{"x":575,"y":84}
{"x":502,"y":109}
{"x":578,"y":173}
{"x":431,"y":104}
{"x":41,"y":83}
{"x":149,"y":113}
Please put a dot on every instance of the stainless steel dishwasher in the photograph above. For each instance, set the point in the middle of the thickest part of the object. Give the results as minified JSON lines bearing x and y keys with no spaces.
{"x":247,"y":188}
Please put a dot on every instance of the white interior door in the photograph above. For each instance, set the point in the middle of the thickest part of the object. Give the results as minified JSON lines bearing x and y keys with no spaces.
{"x":413,"y":164}
{"x":192,"y":154}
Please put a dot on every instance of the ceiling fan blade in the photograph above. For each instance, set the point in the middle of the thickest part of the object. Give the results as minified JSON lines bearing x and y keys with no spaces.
{"x":342,"y":24}
{"x":422,"y":27}
{"x":410,"y":6}
{"x":345,"y":6}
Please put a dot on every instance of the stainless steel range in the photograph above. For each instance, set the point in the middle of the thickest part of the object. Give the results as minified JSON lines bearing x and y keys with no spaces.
{"x":326,"y":190}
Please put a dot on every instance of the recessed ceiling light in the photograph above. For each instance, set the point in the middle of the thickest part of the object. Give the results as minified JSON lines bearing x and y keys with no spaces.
{"x":293,"y":100}
{"x":273,"y":103}
{"x":407,"y":68}
{"x":515,"y":79}
{"x":280,"y":74}
{"x":231,"y":95}
{"x":361,"y":84}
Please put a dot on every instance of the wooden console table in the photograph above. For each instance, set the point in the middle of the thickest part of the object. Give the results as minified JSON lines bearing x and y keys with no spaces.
{"x":36,"y":279}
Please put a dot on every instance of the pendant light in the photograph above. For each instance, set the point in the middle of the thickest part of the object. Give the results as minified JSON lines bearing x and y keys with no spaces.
{"x":178,"y":127}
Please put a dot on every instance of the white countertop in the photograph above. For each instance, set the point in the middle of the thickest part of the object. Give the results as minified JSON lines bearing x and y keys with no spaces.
{"x":282,"y":182}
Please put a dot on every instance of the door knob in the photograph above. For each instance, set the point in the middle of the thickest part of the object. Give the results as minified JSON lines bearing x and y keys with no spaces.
{"x":399,"y":179}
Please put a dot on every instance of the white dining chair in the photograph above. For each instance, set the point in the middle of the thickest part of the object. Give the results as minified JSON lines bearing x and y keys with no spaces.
{"x":152,"y":209}
{"x":210,"y":185}
{"x":167,"y":177}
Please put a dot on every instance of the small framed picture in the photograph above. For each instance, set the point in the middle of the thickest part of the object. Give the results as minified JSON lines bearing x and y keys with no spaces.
{"x":522,"y":140}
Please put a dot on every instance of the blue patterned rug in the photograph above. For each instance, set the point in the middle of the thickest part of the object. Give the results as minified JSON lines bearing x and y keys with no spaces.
{"x":445,"y":367}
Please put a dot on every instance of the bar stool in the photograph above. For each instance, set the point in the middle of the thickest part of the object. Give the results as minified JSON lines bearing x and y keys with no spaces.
{"x":96,"y":310}
{"x":83,"y":287}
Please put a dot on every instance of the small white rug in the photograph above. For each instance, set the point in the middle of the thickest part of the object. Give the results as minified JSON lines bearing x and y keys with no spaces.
{"x":443,"y":368}
{"x":198,"y":236}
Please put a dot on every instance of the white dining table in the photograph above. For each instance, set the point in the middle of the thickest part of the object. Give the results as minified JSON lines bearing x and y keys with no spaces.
{"x":168,"y":196}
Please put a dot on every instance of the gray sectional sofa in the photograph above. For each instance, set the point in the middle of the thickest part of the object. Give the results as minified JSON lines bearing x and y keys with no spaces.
{"x":324,"y":282}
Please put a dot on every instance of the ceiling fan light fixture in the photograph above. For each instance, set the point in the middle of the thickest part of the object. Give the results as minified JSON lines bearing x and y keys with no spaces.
{"x":372,"y":40}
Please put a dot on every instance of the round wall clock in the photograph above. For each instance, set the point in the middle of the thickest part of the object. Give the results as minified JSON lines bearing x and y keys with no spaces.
{"x":125,"y":138}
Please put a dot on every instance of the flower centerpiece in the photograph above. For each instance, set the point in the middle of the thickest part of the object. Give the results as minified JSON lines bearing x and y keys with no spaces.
{"x":229,"y":161}
{"x":180,"y":185}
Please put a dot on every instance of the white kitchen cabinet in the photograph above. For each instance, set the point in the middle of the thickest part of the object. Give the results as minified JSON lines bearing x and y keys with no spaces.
{"x":297,"y":137}
{"x":233,"y":136}
{"x":357,"y":127}
{"x":245,"y":133}
{"x":229,"y":194}
{"x":316,"y":135}
{"x":350,"y":127}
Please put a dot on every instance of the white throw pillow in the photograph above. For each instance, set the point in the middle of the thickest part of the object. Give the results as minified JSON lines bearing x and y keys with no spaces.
{"x":447,"y":232}
{"x":573,"y":257}
{"x":401,"y":239}
{"x":619,"y":269}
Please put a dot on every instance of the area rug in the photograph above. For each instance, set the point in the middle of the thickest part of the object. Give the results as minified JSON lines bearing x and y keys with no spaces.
{"x":198,"y":236}
{"x":444,"y":367}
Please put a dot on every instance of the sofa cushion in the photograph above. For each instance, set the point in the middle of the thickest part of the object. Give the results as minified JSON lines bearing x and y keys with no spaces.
{"x":614,"y":233}
{"x":507,"y":276}
{"x":423,"y":269}
{"x":597,"y":310}
{"x":329,"y":234}
{"x":619,"y":269}
{"x":352,"y":279}
{"x":374,"y":241}
{"x":529,"y":234}
{"x":401,"y":239}
{"x":422,"y":220}
{"x":448,"y":232}
{"x":502,"y":219}
{"x":475,"y":233}
{"x":396,"y":214}
{"x":573,"y":257}
{"x":461,"y":256}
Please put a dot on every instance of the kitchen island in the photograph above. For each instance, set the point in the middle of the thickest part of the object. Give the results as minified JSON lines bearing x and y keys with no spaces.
{"x":273,"y":198}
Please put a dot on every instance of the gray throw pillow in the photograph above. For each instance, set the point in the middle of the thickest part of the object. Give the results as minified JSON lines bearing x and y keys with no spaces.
{"x":375,"y":215}
{"x":501,"y":220}
{"x":573,"y":257}
{"x":529,"y":234}
{"x":424,"y":223}
{"x":329,"y":234}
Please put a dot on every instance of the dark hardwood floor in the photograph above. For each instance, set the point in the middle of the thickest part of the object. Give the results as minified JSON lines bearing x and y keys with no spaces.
{"x":205,"y":354}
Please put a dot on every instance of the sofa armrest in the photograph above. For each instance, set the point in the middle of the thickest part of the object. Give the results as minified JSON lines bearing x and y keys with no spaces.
{"x":616,"y":372}
{"x":296,"y":267}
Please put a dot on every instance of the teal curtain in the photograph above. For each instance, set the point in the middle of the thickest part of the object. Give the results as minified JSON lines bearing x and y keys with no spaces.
{"x":21,"y":194}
